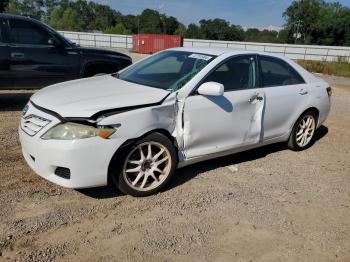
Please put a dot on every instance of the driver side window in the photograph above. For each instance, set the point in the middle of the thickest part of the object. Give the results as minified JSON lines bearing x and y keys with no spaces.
{"x":237,"y":73}
{"x":27,"y":33}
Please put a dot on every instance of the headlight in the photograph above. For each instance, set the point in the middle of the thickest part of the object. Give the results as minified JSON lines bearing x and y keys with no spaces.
{"x":70,"y":131}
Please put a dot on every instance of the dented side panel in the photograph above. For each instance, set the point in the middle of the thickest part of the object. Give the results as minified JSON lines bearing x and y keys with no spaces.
{"x":214,"y":124}
{"x":135,"y":123}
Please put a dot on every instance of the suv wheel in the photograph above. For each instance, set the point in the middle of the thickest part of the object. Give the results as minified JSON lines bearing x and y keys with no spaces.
{"x":147,"y":166}
{"x":303,"y":132}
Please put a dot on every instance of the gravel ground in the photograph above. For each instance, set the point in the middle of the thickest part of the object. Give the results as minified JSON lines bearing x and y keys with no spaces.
{"x":268,"y":204}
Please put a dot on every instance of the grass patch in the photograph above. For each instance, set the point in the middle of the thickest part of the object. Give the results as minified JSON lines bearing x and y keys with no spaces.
{"x":339,"y":68}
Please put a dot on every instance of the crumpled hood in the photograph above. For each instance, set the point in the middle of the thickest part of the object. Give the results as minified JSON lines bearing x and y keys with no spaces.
{"x":86,"y":97}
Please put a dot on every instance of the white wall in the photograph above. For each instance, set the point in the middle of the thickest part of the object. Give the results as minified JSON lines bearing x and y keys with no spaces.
{"x":309,"y":52}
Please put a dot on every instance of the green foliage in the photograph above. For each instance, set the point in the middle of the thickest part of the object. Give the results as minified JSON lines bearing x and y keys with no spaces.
{"x":83,"y":16}
{"x":3,"y":5}
{"x":31,"y":8}
{"x":181,"y":30}
{"x":265,"y":36}
{"x":193,"y":31}
{"x":219,"y":29}
{"x":318,"y":22}
{"x":169,"y":24}
{"x":118,"y":29}
{"x":150,"y":22}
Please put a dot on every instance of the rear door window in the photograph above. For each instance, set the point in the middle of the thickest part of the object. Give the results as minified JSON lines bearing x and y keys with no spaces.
{"x":27,"y":33}
{"x":276,"y":72}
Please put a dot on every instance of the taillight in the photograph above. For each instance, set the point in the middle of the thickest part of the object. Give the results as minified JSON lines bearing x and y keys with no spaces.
{"x":329,"y":91}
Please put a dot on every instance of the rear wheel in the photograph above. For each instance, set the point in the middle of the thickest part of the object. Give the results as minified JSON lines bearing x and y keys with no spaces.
{"x":303,"y":132}
{"x":147,"y":166}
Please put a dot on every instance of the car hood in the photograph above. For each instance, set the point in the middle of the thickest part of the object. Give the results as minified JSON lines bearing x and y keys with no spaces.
{"x":100,"y":51}
{"x":89,"y":96}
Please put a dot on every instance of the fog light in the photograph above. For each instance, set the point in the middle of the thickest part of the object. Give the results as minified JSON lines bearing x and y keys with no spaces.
{"x":63,"y":172}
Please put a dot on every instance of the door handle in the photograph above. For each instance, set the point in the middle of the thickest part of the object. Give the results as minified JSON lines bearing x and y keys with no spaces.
{"x":256,"y":97}
{"x":17,"y":55}
{"x":303,"y":92}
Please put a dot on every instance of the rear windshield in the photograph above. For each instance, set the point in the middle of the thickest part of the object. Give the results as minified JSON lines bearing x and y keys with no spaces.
{"x":169,"y":70}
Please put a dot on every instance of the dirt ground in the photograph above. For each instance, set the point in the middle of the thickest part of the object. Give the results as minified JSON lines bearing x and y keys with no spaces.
{"x":268,"y":204}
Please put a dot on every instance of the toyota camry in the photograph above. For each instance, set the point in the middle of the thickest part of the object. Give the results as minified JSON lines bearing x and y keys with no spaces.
{"x":172,"y":109}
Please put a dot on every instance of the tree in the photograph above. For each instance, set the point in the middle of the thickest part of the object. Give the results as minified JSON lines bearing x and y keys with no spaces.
{"x":264,"y":36}
{"x":193,"y":31}
{"x":219,"y":29}
{"x":67,"y":19}
{"x":169,"y":24}
{"x":318,"y":22}
{"x":181,"y":30}
{"x":31,"y":8}
{"x":131,"y":22}
{"x":150,"y":22}
{"x":37,"y":9}
{"x":3,"y":5}
{"x":118,"y":29}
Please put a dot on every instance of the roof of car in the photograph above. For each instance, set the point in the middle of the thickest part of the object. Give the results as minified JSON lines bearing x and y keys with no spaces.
{"x":220,"y":51}
{"x":2,"y":15}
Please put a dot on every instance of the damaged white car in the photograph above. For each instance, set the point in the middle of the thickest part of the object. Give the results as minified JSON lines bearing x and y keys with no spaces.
{"x":175,"y":108}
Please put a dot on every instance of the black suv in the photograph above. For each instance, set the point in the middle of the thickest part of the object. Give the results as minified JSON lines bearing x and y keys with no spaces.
{"x":33,"y":55}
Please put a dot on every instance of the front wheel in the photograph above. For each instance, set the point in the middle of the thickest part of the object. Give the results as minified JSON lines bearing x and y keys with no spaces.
{"x":303,"y":132}
{"x":147,"y":166}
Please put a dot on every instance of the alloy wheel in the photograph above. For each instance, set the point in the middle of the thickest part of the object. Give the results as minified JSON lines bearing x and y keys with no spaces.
{"x":147,"y":166}
{"x":305,"y":130}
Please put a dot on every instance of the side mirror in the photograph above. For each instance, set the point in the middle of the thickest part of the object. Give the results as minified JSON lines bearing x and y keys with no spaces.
{"x":54,"y":42}
{"x":211,"y":89}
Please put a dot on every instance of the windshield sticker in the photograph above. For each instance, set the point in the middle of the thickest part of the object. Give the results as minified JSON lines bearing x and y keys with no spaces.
{"x":199,"y":56}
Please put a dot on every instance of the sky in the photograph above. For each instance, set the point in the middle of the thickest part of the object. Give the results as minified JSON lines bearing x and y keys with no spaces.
{"x":247,"y":13}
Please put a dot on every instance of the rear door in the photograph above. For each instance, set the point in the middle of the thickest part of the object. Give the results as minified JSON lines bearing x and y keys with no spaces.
{"x":218,"y":123}
{"x":35,"y":62}
{"x":5,"y":75}
{"x":286,"y":96}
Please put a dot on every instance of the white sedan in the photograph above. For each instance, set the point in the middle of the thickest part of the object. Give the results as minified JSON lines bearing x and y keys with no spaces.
{"x":174,"y":108}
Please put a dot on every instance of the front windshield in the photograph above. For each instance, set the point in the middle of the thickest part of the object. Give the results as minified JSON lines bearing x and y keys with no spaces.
{"x":169,"y":70}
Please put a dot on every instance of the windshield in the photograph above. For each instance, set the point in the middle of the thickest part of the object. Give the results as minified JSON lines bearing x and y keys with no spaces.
{"x":169,"y":70}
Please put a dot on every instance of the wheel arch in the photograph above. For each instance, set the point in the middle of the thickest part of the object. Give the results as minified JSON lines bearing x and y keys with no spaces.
{"x":122,"y":150}
{"x":312,"y":109}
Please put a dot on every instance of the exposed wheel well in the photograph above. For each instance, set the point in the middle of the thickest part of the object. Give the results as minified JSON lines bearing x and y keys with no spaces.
{"x":314,"y":110}
{"x":121,"y":151}
{"x":97,"y":68}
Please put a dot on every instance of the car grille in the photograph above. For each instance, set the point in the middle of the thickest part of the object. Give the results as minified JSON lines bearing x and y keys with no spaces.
{"x":32,"y":124}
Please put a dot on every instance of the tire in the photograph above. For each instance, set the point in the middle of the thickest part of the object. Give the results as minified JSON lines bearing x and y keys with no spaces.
{"x":303,"y":132}
{"x":143,"y":174}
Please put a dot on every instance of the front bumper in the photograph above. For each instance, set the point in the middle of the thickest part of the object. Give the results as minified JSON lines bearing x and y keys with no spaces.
{"x":87,"y":159}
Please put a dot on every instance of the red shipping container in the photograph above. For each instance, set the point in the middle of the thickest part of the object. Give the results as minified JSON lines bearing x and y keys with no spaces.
{"x":151,"y":43}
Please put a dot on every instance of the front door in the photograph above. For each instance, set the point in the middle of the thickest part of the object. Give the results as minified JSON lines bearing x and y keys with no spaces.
{"x":218,"y":123}
{"x":35,"y":62}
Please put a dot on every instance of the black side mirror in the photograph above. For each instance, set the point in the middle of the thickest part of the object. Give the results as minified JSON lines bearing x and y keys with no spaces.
{"x":53,"y":42}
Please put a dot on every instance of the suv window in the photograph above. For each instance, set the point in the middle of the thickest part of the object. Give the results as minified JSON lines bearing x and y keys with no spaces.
{"x":24,"y":32}
{"x":1,"y":31}
{"x":276,"y":72}
{"x":235,"y":74}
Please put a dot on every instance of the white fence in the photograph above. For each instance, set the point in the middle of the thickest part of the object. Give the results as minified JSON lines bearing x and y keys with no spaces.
{"x":305,"y":52}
